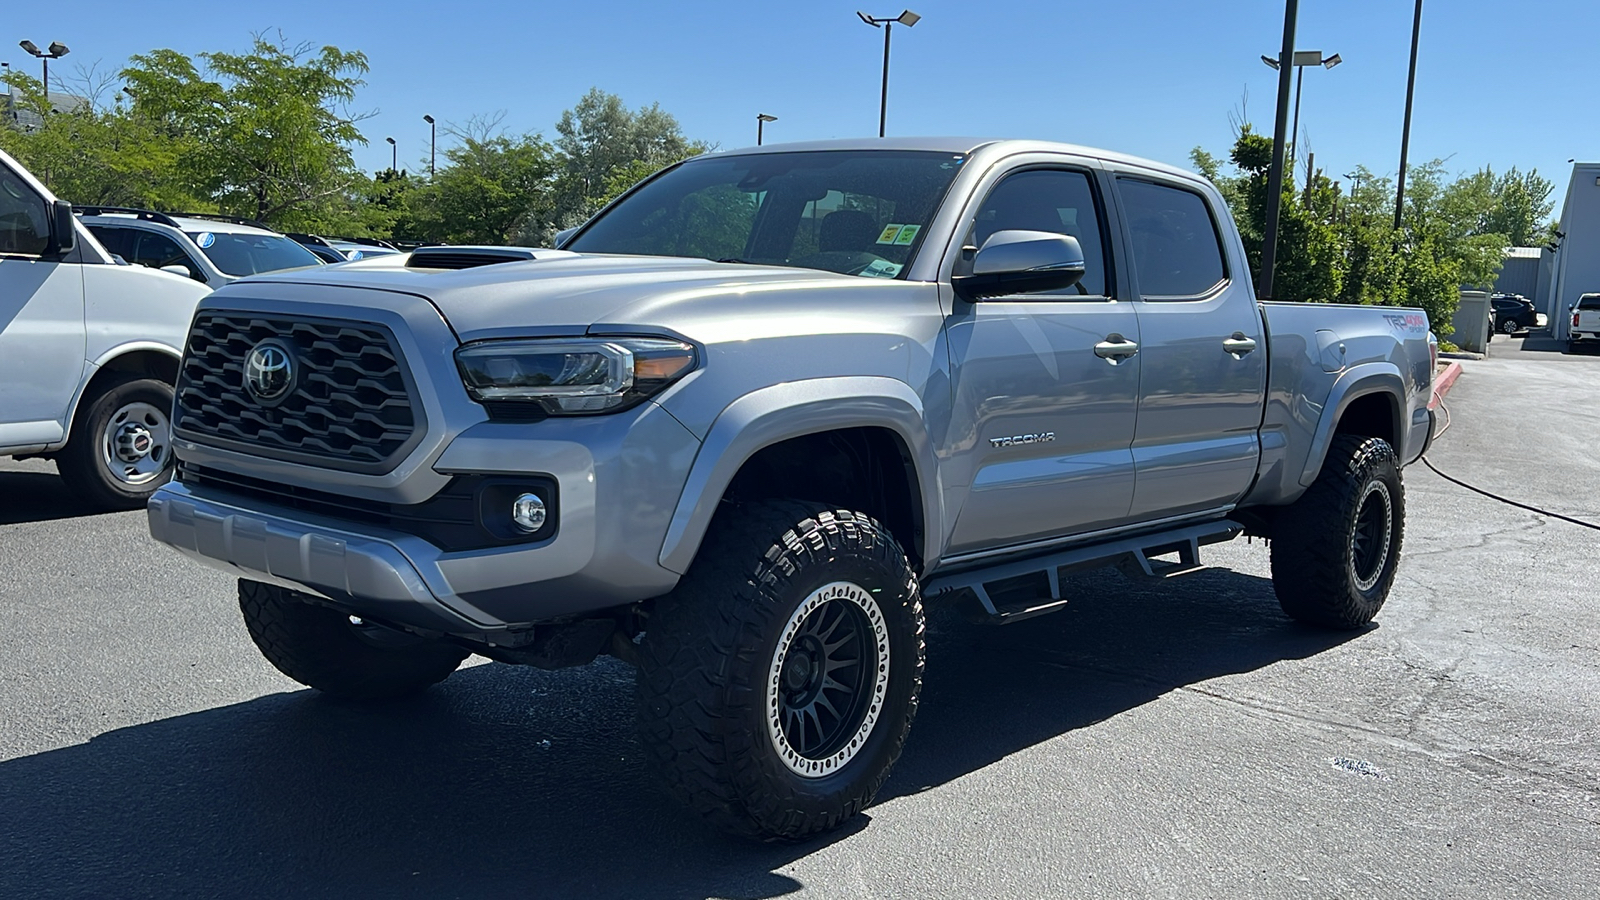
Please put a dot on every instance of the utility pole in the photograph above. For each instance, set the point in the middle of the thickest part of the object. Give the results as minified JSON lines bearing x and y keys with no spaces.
{"x":1269,"y":248}
{"x":1405,"y":131}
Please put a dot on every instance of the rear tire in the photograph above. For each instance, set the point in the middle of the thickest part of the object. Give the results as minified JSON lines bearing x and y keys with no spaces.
{"x":1511,"y":327}
{"x":120,"y":449}
{"x":324,"y":649}
{"x":778,"y":681}
{"x":1336,"y":549}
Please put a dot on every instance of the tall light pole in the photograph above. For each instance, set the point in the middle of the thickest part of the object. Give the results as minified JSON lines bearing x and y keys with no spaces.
{"x":906,"y":18}
{"x":1405,"y":132}
{"x":1302,"y":59}
{"x":1269,"y":245}
{"x":56,"y":51}
{"x":762,"y":119}
{"x":433,"y":143}
{"x":394,"y":157}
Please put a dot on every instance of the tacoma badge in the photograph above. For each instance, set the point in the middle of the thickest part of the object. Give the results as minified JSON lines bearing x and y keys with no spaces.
{"x":1039,"y":438}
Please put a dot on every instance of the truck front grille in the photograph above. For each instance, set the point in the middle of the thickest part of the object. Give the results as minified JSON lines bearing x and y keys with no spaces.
{"x":347,"y":403}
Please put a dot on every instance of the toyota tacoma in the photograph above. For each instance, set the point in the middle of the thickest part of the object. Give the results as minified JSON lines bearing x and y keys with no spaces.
{"x":755,"y":414}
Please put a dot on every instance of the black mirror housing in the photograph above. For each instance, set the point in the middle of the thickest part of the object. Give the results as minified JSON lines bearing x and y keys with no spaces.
{"x":1022,"y":262}
{"x":63,"y":233}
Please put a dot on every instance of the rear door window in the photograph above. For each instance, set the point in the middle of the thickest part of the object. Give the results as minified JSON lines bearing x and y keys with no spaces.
{"x":1177,"y":249}
{"x":114,"y":239}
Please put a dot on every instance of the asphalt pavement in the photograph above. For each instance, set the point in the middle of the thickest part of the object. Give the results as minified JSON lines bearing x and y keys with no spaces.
{"x":1176,"y":739}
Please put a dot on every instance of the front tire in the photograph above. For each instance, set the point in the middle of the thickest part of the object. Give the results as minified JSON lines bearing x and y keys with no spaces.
{"x":325,"y":649}
{"x":120,"y":449}
{"x":779,"y":680}
{"x":1336,"y":549}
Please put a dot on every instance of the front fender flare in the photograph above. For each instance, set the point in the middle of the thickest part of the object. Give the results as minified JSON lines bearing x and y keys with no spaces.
{"x":1357,"y":382}
{"x":789,"y":410}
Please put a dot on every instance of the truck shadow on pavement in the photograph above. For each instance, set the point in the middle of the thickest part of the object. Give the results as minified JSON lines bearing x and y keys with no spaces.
{"x":513,"y":782}
{"x":37,"y":495}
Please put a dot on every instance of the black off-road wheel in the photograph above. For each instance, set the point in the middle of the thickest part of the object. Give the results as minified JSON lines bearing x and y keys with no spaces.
{"x":338,"y":655}
{"x":778,"y":681}
{"x":1335,"y":551}
{"x":120,"y":449}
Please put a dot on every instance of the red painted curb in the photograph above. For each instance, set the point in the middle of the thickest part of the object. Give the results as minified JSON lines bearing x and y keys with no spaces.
{"x":1443,"y":383}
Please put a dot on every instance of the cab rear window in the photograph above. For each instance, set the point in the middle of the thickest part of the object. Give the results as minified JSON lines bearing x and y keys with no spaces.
{"x":1589,"y":301}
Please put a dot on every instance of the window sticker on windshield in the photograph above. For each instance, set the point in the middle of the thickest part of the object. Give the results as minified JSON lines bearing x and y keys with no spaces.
{"x":908,"y":233}
{"x":882,"y":268}
{"x":206,"y":239}
{"x":890,"y":232}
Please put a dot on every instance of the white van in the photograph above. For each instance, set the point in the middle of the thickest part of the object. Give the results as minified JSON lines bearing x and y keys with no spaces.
{"x":89,"y":349}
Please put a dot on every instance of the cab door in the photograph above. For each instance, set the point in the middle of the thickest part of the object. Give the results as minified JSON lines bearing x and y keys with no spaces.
{"x":1044,"y":386}
{"x":41,"y":319}
{"x":1203,"y":382}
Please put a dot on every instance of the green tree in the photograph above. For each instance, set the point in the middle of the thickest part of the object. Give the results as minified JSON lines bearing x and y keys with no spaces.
{"x":494,"y":189}
{"x":97,"y":154}
{"x":263,"y":130}
{"x":605,"y":148}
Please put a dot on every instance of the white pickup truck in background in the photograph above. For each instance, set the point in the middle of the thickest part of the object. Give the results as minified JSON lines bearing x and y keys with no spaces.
{"x":89,"y":349}
{"x":1585,"y":321}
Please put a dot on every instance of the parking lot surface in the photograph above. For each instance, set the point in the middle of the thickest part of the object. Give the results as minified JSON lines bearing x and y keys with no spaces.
{"x":1178,"y":739}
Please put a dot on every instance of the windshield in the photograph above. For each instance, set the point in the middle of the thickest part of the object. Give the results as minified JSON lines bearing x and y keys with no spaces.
{"x":856,"y":212}
{"x":246,"y":254}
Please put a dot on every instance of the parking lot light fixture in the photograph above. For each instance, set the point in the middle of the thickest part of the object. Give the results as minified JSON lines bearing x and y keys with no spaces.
{"x":394,"y":157}
{"x":56,"y":50}
{"x":906,"y":18}
{"x":1302,"y":59}
{"x":762,"y":119}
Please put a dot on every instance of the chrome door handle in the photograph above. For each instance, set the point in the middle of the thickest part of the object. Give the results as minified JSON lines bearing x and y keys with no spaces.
{"x":1115,"y":348}
{"x":1238,"y":345}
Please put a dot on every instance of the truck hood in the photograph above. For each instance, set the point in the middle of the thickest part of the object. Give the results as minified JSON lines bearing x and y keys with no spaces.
{"x":558,"y":293}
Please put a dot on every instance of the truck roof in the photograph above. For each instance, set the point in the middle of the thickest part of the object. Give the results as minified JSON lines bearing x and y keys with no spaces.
{"x":997,"y":146}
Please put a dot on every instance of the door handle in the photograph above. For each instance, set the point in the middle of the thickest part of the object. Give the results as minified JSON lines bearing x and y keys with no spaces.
{"x":1115,"y":348}
{"x":1239,"y":345}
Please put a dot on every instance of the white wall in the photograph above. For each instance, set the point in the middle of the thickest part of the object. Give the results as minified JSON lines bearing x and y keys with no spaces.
{"x":1577,"y":267}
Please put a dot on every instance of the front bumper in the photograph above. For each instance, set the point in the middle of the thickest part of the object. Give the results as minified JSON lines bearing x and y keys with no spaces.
{"x":619,"y":483}
{"x":368,"y":574}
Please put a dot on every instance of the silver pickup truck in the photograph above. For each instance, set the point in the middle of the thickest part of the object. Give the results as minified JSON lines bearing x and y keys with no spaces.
{"x":756,"y":413}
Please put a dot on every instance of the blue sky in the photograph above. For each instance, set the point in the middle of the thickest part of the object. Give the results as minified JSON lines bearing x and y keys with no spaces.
{"x":1498,"y":84}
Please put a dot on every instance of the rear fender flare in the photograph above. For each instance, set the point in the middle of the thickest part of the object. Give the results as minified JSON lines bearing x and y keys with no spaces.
{"x":777,"y":413}
{"x":1357,"y":382}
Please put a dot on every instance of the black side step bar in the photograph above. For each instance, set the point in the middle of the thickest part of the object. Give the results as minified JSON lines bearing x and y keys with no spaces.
{"x":1135,"y":556}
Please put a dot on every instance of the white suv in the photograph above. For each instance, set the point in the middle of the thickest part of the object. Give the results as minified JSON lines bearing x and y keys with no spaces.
{"x":211,"y":250}
{"x":89,"y":349}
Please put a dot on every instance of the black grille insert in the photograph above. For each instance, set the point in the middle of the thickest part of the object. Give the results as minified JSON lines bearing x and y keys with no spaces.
{"x":472,"y":512}
{"x":350,"y":400}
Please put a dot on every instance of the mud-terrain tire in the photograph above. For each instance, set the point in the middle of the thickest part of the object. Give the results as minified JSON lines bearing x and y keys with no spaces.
{"x":1335,"y":550}
{"x":120,"y":449}
{"x":781,"y":597}
{"x":322,"y":648}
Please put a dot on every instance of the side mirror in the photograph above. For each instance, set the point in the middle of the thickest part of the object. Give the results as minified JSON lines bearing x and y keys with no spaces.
{"x":63,"y":233}
{"x":178,"y":270}
{"x":1022,"y":262}
{"x":562,"y":235}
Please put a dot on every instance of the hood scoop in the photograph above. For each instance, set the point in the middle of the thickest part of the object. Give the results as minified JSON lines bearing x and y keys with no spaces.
{"x":472,"y":257}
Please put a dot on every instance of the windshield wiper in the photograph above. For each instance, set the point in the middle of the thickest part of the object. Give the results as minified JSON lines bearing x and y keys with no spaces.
{"x":735,"y":259}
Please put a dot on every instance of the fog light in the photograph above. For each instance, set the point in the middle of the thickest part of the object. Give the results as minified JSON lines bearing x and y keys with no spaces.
{"x":528,"y":512}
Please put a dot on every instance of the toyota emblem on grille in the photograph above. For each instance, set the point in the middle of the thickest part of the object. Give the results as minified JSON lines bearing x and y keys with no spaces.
{"x":269,"y":371}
